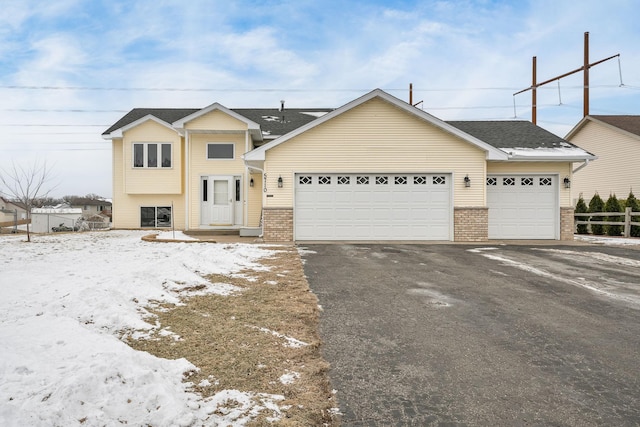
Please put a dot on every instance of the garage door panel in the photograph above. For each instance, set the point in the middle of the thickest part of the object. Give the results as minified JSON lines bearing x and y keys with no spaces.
{"x":362,"y":196}
{"x":324,"y":196}
{"x":373,"y":207}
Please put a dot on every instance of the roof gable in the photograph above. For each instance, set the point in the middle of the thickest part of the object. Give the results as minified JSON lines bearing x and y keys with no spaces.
{"x":627,"y":124}
{"x":180,"y":123}
{"x":166,"y":115}
{"x":492,"y":153}
{"x":118,"y":132}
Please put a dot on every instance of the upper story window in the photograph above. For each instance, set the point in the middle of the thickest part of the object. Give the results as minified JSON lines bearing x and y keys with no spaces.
{"x":151,"y":155}
{"x":220,"y":151}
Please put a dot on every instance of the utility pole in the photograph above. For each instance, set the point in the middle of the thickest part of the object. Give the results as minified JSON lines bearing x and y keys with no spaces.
{"x":584,"y":68}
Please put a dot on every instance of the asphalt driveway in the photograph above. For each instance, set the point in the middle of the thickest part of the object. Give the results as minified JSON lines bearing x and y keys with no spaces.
{"x":474,"y":335}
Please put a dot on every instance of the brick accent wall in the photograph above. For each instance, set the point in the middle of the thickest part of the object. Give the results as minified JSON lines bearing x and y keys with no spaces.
{"x":566,"y":223}
{"x":471,"y":224}
{"x":277,"y":225}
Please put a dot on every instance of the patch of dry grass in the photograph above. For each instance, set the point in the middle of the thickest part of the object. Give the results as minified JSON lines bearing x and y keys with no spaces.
{"x":229,"y":339}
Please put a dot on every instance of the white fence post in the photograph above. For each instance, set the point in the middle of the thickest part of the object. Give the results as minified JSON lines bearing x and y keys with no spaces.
{"x":627,"y":222}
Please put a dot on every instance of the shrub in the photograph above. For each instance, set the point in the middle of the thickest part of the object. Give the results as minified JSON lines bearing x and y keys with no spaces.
{"x":581,"y":207}
{"x":634,"y":204}
{"x":596,"y":205}
{"x":613,"y":205}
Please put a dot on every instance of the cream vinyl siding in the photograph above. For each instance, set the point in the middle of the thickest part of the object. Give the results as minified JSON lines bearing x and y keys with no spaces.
{"x":616,"y":169}
{"x":216,"y":120}
{"x":201,"y":166}
{"x":376,"y":137}
{"x":126,"y":209}
{"x":562,"y":169}
{"x":152,"y":180}
{"x":118,"y":198}
{"x":254,"y":198}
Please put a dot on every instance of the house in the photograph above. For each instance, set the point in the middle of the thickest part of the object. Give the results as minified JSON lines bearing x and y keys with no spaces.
{"x":615,"y":140}
{"x":376,"y":168}
{"x":90,"y":206}
{"x":11,"y":211}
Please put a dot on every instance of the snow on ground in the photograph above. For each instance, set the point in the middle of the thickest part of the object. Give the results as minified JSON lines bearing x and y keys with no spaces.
{"x":602,"y":240}
{"x":66,"y":298}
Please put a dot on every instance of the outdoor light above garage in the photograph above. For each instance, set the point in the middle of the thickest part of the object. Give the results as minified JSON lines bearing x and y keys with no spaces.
{"x":567,"y":182}
{"x":467,"y":181}
{"x":279,"y":182}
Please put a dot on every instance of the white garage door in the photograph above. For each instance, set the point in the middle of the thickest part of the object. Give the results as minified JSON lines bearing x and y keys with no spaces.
{"x":372,"y":207}
{"x":523,"y":207}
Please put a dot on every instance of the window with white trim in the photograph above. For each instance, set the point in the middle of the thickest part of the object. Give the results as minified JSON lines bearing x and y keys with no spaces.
{"x":155,"y":216}
{"x":152,"y":154}
{"x":220,"y":151}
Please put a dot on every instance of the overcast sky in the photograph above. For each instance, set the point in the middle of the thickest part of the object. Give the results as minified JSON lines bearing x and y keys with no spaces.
{"x":70,"y":68}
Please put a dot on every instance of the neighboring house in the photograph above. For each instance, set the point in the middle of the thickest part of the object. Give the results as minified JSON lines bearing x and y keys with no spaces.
{"x":376,"y":168}
{"x":90,"y":206}
{"x":615,"y":140}
{"x":10,"y":211}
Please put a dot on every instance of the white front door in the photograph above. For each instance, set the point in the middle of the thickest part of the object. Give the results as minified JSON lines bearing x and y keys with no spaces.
{"x":217,"y":200}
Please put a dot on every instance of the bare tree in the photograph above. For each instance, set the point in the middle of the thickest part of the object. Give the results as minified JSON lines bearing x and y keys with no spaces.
{"x":26,"y":184}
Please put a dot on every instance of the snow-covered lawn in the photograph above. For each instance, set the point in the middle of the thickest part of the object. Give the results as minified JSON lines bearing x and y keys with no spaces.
{"x":66,"y":300}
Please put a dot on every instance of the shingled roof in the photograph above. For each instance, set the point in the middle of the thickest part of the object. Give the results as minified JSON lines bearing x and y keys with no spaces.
{"x":272,"y":121}
{"x":630,"y":124}
{"x":511,"y":134}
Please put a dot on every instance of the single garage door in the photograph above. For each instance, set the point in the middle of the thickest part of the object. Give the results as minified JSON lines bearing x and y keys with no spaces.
{"x":522,"y":207}
{"x":372,"y":206}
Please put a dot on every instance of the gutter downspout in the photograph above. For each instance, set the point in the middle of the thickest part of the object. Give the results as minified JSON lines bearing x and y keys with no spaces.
{"x":247,"y":177}
{"x":187,"y":140}
{"x":586,"y":162}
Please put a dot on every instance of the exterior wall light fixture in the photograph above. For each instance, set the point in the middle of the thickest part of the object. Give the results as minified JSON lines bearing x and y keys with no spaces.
{"x":280,"y":182}
{"x":251,"y":184}
{"x":567,"y":182}
{"x":467,"y":181}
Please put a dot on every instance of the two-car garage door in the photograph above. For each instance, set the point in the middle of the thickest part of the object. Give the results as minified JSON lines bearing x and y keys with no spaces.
{"x":369,"y":206}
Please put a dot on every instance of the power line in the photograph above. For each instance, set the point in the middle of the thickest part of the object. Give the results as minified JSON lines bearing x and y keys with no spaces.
{"x":73,"y":110}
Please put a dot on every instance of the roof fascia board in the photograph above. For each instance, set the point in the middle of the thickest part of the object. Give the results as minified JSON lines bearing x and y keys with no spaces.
{"x":576,"y":158}
{"x":492,"y":152}
{"x":119,"y":132}
{"x":577,"y":127}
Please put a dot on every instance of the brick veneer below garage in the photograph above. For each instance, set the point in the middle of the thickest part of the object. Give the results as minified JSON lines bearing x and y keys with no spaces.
{"x":278,"y":224}
{"x":566,"y":223}
{"x":471,"y":224}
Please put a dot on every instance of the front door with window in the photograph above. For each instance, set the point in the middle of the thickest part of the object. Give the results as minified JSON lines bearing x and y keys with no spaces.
{"x":217,"y":200}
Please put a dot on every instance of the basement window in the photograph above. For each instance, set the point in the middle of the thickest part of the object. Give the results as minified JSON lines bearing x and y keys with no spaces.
{"x":155,"y":216}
